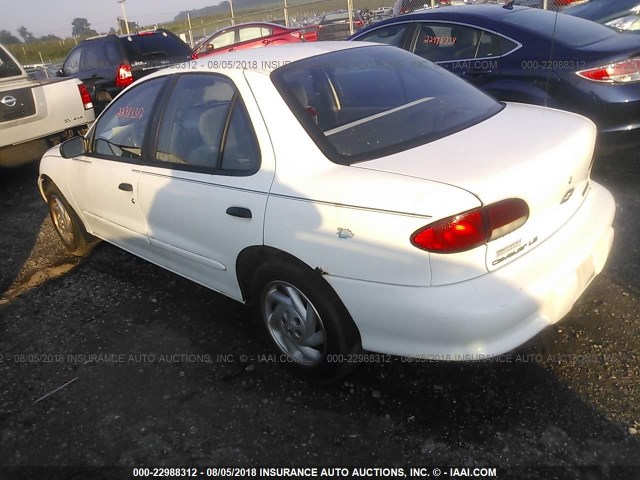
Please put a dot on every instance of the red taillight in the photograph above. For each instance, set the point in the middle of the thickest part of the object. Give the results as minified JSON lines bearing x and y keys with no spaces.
{"x":86,"y":97}
{"x":453,"y":234}
{"x":471,"y":229}
{"x":124,"y":77}
{"x":194,"y":56}
{"x":621,"y":72}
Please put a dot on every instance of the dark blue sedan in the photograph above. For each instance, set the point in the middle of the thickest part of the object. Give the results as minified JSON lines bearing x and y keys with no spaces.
{"x":533,"y":56}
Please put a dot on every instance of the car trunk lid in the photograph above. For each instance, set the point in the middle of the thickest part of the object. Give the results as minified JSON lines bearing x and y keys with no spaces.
{"x":539,"y":155}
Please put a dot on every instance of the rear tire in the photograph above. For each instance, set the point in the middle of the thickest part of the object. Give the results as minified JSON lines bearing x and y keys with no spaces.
{"x":309,"y":327}
{"x":67,"y":224}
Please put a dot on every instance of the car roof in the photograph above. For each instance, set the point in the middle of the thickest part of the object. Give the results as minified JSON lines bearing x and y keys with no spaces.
{"x":483,"y":11}
{"x":493,"y":17}
{"x":249,"y":24}
{"x":265,"y":60}
{"x":125,"y":35}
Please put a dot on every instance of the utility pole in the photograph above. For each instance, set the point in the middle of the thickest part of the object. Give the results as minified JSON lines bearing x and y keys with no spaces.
{"x":286,"y":14}
{"x":233,"y":18}
{"x":350,"y":7}
{"x":190,"y":31}
{"x":124,"y":15}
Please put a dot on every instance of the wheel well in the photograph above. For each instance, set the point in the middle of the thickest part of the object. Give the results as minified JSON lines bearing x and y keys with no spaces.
{"x":43,"y":184}
{"x":252,"y":258}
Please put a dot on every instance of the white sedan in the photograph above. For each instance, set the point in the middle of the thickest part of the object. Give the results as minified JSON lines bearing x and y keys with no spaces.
{"x":362,"y":199}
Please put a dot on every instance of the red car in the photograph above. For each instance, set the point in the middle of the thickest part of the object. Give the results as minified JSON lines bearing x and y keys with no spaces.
{"x":247,"y":35}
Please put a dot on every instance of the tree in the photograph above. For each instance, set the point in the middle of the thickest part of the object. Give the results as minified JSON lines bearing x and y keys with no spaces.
{"x":50,"y":38}
{"x":26,"y":35}
{"x":82,"y":28}
{"x":8,"y":38}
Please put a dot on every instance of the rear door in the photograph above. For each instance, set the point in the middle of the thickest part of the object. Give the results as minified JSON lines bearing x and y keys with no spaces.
{"x":253,"y":36}
{"x":204,"y":192}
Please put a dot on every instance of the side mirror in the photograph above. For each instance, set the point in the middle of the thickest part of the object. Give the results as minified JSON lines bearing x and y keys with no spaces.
{"x":74,"y":147}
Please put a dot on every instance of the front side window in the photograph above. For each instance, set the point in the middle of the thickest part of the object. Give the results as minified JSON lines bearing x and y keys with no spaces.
{"x":368,"y":102}
{"x":205,"y":127}
{"x":391,"y":35}
{"x":219,"y":41}
{"x":121,"y":129}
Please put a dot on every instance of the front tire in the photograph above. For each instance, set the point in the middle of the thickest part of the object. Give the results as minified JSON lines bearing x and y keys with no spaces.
{"x":306,"y":322}
{"x":67,"y":224}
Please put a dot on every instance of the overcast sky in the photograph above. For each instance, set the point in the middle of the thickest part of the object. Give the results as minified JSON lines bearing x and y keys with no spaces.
{"x":42,"y":17}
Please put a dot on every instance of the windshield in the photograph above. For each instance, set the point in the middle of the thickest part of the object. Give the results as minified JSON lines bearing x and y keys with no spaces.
{"x":368,"y":102}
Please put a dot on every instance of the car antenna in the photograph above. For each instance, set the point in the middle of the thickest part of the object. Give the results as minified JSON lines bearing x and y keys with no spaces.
{"x":508,"y":5}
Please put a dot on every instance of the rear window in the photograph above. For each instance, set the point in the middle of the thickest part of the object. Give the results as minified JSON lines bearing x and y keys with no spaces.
{"x":157,"y":45}
{"x":600,"y":10}
{"x":369,"y":102}
{"x":568,"y":30}
{"x":8,"y":68}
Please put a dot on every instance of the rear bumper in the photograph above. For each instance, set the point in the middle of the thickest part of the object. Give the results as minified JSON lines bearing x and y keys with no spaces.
{"x":493,"y":313}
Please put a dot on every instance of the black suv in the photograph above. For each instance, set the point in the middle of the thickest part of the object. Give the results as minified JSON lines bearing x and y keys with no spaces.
{"x":108,"y":63}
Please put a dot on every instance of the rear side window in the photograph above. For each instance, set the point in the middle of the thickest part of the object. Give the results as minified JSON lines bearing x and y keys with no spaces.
{"x":447,"y":42}
{"x":368,"y":102}
{"x":8,"y":68}
{"x":93,"y":56}
{"x":154,"y":46}
{"x":205,"y":127}
{"x":72,"y":64}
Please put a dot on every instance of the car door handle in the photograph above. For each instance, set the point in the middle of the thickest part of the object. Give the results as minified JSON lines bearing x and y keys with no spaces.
{"x":126,"y":187}
{"x":239,"y":212}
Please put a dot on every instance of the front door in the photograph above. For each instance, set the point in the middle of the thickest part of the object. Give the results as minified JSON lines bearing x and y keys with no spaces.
{"x":105,"y":180}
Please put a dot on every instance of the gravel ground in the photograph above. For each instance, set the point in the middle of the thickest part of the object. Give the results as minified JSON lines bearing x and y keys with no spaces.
{"x":179,"y":374}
